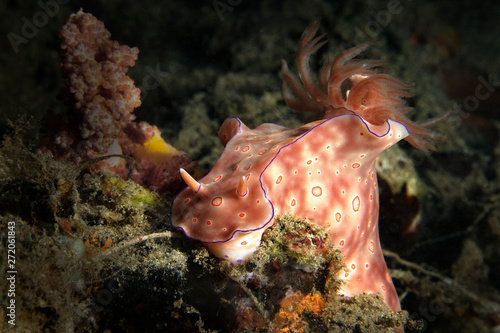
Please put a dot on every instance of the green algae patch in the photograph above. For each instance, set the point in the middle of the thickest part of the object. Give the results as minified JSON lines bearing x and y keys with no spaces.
{"x":64,"y":218}
{"x":299,"y":240}
{"x":130,"y":191}
{"x":362,"y":313}
{"x":291,"y":285}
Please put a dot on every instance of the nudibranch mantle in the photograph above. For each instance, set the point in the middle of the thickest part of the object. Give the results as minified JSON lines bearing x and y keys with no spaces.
{"x":323,"y":171}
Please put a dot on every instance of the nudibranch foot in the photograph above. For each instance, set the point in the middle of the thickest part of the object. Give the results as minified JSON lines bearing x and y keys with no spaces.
{"x":239,"y":248}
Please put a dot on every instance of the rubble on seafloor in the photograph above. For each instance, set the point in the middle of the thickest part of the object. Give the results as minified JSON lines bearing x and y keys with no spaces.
{"x":68,"y":220}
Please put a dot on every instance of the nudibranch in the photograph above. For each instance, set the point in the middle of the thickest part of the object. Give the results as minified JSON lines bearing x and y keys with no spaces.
{"x":323,"y":170}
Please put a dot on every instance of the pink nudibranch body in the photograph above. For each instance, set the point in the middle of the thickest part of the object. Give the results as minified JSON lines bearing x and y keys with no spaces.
{"x":323,"y":171}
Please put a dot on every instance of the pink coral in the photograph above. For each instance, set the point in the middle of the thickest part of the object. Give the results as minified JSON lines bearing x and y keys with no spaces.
{"x":95,"y":67}
{"x":102,"y":98}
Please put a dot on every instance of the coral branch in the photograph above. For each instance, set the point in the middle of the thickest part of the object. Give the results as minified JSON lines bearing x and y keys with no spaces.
{"x":101,"y":99}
